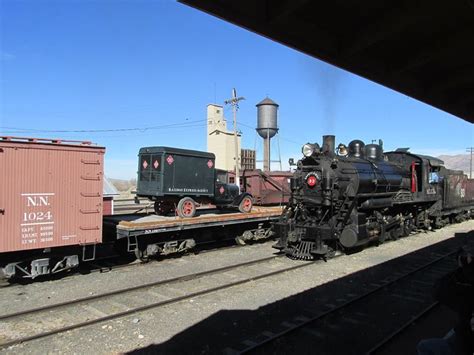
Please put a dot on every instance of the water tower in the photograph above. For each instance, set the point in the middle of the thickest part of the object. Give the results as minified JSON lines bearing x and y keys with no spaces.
{"x":267,"y":126}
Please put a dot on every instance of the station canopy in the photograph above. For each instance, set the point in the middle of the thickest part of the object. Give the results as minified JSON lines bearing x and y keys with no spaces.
{"x":421,"y":48}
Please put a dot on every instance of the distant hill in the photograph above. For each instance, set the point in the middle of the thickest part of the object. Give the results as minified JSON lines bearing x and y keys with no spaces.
{"x":125,"y":187}
{"x":456,"y":162}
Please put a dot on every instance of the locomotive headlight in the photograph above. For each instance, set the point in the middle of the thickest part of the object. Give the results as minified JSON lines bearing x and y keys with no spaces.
{"x":308,"y":149}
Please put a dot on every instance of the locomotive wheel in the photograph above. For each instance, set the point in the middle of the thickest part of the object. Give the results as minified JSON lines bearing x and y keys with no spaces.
{"x":245,"y":206}
{"x":186,"y":207}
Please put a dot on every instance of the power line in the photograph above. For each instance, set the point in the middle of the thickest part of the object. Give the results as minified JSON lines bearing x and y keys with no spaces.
{"x":282,"y":138}
{"x":142,"y":129}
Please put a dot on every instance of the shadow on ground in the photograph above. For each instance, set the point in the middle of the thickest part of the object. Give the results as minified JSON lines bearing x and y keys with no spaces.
{"x":226,"y":331}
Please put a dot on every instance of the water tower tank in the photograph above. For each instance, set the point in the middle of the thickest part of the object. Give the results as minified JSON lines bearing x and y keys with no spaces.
{"x":267,"y":125}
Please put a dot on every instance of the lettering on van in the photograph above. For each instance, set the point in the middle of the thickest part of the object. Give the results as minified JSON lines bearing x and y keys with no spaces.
{"x":37,"y":220}
{"x":184,"y":189}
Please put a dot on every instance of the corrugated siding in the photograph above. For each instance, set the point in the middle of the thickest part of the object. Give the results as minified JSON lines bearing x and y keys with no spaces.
{"x":51,"y":195}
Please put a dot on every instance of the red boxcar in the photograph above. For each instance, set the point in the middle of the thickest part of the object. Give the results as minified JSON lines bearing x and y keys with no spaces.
{"x":50,"y":193}
{"x":458,"y":190}
{"x":267,"y":188}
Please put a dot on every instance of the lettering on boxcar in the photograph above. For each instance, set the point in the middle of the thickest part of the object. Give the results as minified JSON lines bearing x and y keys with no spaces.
{"x":37,"y":220}
{"x":34,"y":201}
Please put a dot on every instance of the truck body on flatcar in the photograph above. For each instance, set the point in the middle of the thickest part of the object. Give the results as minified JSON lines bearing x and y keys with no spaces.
{"x":178,"y":179}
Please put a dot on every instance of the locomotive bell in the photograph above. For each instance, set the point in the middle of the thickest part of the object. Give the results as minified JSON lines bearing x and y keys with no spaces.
{"x":342,"y":149}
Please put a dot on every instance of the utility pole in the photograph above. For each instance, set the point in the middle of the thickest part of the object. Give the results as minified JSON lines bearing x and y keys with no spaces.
{"x":234,"y":101}
{"x":470,"y":150}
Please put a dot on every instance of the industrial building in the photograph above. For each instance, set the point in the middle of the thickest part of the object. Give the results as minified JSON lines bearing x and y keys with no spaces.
{"x":220,"y":141}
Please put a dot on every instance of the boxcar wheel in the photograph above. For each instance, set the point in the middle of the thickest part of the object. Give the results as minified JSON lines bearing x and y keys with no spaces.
{"x":186,"y":207}
{"x":245,"y":206}
{"x":140,"y":255}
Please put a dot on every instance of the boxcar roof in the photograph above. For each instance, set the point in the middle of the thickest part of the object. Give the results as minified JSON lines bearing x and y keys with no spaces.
{"x":179,"y":151}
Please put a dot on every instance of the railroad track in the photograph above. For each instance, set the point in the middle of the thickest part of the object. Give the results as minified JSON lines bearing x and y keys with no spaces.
{"x":119,"y":262}
{"x":365,"y":321}
{"x":109,"y":264}
{"x":61,"y":317}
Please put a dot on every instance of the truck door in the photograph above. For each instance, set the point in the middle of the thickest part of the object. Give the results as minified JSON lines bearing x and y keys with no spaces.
{"x":221,"y":193}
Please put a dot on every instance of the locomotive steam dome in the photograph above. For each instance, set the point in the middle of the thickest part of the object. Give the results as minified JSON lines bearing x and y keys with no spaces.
{"x":267,"y":125}
{"x":356,"y":148}
{"x":373,"y":151}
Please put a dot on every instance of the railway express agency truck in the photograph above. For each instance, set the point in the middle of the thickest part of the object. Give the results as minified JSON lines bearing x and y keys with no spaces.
{"x":180,"y":179}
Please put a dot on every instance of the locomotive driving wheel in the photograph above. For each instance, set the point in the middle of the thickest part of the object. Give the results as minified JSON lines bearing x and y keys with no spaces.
{"x":186,"y":207}
{"x":245,"y":206}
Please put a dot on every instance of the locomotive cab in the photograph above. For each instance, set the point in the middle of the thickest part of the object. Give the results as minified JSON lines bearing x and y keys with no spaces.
{"x":224,"y":193}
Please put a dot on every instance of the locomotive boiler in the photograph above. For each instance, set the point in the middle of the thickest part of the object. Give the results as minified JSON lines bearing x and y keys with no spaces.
{"x":345,"y":197}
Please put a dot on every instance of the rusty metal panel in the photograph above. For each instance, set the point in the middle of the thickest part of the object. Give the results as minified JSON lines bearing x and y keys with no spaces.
{"x":459,"y":191}
{"x":50,"y":194}
{"x":268,"y":188}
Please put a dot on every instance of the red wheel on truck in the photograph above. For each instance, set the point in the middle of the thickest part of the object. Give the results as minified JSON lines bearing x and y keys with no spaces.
{"x":245,"y":206}
{"x":186,"y":207}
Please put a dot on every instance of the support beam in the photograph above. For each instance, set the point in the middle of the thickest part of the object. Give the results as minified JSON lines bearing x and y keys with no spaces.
{"x":438,"y":50}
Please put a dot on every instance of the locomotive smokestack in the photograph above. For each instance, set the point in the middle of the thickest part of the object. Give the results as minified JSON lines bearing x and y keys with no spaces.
{"x":329,"y":144}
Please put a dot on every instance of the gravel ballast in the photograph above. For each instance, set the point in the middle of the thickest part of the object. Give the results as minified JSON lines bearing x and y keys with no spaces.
{"x":157,"y":326}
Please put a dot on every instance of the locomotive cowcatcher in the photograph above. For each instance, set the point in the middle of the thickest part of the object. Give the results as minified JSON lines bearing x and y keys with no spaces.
{"x":346,"y":197}
{"x":179,"y":179}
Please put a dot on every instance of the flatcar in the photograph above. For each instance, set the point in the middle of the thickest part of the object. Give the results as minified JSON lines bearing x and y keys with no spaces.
{"x":344,"y":198}
{"x":51,"y":206}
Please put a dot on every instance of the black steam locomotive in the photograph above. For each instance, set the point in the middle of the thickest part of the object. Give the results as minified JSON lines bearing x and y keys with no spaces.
{"x":347,"y":197}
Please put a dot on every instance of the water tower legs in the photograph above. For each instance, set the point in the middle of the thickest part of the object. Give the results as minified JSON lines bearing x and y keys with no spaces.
{"x":266,"y":154}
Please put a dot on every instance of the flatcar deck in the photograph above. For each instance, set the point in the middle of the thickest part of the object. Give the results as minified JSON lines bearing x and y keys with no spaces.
{"x":143,"y":224}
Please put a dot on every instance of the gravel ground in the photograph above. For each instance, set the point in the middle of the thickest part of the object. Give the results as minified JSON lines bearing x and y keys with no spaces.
{"x":157,"y":326}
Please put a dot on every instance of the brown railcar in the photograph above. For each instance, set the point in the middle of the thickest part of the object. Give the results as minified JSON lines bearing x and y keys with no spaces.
{"x":50,"y":193}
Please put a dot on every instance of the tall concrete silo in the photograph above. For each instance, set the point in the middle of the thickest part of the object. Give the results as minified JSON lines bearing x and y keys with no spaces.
{"x":267,"y":127}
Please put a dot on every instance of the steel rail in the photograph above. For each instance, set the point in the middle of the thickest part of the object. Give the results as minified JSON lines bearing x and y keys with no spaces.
{"x":186,"y":277}
{"x":402,"y":328}
{"x":148,"y":306}
{"x":319,"y":316}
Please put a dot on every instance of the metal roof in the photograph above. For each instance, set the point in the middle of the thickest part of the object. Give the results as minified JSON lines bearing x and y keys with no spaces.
{"x":179,"y":151}
{"x":109,"y":188}
{"x":267,"y":101}
{"x":420,"y":48}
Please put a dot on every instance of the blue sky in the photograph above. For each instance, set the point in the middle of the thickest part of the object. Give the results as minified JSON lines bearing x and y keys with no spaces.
{"x":147,"y":69}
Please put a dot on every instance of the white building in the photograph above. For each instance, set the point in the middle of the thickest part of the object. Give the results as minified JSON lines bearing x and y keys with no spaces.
{"x":220,"y":141}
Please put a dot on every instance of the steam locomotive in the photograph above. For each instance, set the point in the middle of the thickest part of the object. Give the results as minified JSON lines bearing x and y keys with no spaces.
{"x":344,"y":198}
